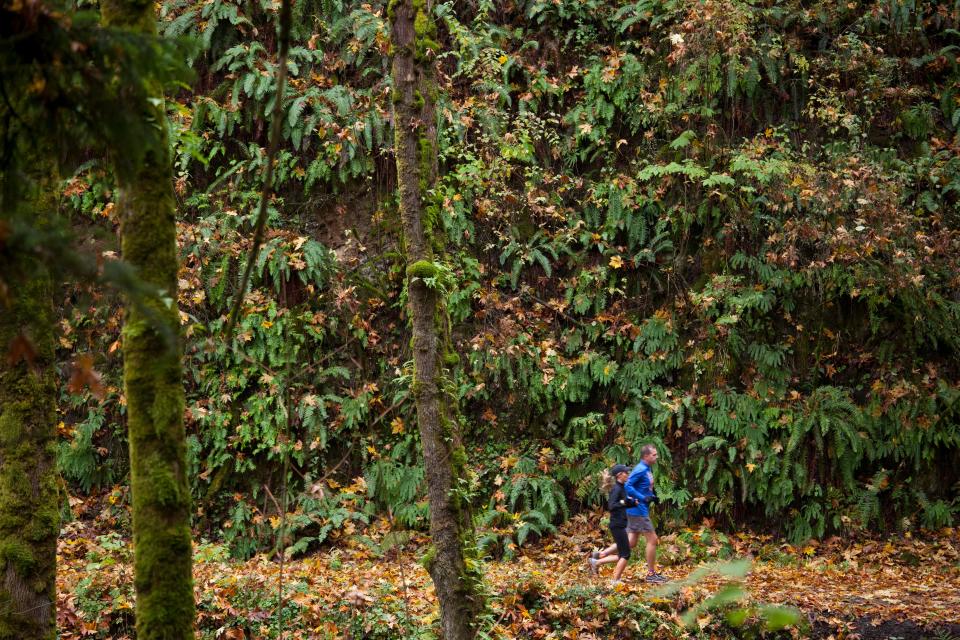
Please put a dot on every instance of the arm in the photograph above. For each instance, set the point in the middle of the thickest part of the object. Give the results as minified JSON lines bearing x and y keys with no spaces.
{"x":615,"y":499}
{"x":618,"y":499}
{"x":638,"y":487}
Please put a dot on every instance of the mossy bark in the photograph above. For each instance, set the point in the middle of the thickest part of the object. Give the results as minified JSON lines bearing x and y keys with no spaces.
{"x":29,"y":515}
{"x":152,"y":372}
{"x":452,"y":560}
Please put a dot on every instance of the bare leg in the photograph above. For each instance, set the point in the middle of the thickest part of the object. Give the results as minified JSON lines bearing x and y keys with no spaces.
{"x":651,"y":537}
{"x":607,"y":560}
{"x":611,"y":550}
{"x":618,"y":570}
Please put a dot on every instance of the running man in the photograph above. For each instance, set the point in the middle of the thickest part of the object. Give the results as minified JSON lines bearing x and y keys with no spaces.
{"x":640,"y":486}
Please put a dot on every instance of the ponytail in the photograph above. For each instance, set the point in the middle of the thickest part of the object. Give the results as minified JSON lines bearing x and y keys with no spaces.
{"x":606,"y":480}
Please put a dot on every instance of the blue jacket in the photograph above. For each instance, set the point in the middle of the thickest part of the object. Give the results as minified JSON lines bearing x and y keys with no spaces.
{"x":640,"y":486}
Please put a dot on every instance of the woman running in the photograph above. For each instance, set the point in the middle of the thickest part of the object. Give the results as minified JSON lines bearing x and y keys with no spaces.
{"x":617,"y":503}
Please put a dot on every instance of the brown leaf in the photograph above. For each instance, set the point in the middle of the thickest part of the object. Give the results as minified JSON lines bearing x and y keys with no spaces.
{"x":357,"y":598}
{"x":20,"y":348}
{"x":85,"y":377}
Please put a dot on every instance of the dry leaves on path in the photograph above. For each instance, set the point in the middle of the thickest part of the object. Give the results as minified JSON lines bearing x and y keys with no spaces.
{"x":547,"y":586}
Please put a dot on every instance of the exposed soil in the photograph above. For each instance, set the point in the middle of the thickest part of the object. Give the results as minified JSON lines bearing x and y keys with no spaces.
{"x":865,"y":628}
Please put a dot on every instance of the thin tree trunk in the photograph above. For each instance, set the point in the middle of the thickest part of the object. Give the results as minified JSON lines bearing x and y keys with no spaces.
{"x":452,"y":562}
{"x":29,"y":506}
{"x":152,"y":371}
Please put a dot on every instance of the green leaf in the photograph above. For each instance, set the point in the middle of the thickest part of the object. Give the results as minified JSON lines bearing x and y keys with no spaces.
{"x":776,"y":618}
{"x":683,"y":140}
{"x":719,"y":179}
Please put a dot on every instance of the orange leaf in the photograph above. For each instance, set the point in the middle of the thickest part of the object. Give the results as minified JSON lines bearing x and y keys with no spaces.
{"x":85,"y":377}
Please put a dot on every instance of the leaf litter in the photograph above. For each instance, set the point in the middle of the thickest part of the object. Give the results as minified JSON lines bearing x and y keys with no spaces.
{"x":834,"y":583}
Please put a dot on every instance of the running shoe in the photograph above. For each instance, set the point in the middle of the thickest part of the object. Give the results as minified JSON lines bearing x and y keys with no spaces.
{"x":656,"y":578}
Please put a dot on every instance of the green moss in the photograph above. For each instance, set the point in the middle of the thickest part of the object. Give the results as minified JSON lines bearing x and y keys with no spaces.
{"x":426,"y":48}
{"x":458,"y":459}
{"x":416,"y":387}
{"x":10,"y":424}
{"x":423,"y":24}
{"x":429,"y":557}
{"x":29,"y":518}
{"x":446,"y":425}
{"x":166,"y":489}
{"x":18,"y":554}
{"x":425,"y":32}
{"x":418,"y":100}
{"x":45,"y":519}
{"x":431,"y":221}
{"x":219,"y":478}
{"x":135,"y":329}
{"x":422,"y":269}
{"x":152,"y":374}
{"x":426,"y":154}
{"x":451,"y":358}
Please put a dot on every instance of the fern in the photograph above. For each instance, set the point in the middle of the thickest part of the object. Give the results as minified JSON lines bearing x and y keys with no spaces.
{"x":398,"y":487}
{"x":80,"y":460}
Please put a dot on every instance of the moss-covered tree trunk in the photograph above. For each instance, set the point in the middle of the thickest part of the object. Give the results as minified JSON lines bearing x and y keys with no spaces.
{"x":29,"y":514}
{"x":152,"y":370}
{"x":452,"y":561}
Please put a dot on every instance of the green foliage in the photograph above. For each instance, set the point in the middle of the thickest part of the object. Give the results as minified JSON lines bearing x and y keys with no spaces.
{"x":764,"y":400}
{"x":83,"y":459}
{"x":703,"y":544}
{"x":102,"y":601}
{"x":528,"y":503}
{"x":317,"y":513}
{"x":398,"y":488}
{"x":746,"y":620}
{"x":46,"y":52}
{"x":565,"y":611}
{"x":722,"y":228}
{"x":535,"y":250}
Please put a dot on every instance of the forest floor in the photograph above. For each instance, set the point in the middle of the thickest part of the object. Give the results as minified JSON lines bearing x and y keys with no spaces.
{"x":905,"y":587}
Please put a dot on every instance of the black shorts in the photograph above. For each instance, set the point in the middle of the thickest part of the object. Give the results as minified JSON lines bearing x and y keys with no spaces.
{"x":623,"y":543}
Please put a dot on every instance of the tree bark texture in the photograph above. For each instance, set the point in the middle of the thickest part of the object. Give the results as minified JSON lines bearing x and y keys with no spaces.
{"x":452,"y":561}
{"x":152,"y":371}
{"x":29,"y":505}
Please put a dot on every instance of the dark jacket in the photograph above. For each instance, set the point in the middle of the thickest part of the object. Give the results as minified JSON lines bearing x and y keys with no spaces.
{"x":617,"y":503}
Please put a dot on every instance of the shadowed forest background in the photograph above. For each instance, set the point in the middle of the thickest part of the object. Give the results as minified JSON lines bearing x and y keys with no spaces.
{"x":730,"y":229}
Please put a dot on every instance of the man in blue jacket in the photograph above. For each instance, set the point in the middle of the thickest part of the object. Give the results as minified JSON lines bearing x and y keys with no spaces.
{"x":640,"y":486}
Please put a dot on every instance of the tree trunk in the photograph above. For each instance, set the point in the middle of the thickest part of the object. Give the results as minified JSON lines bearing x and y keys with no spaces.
{"x":452,"y":562}
{"x":152,"y":371}
{"x":29,"y":506}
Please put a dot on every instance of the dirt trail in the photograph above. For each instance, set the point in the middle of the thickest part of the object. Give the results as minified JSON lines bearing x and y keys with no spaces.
{"x":868,"y":629}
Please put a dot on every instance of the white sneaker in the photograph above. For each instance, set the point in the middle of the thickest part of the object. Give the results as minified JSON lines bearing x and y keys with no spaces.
{"x":593,"y":566}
